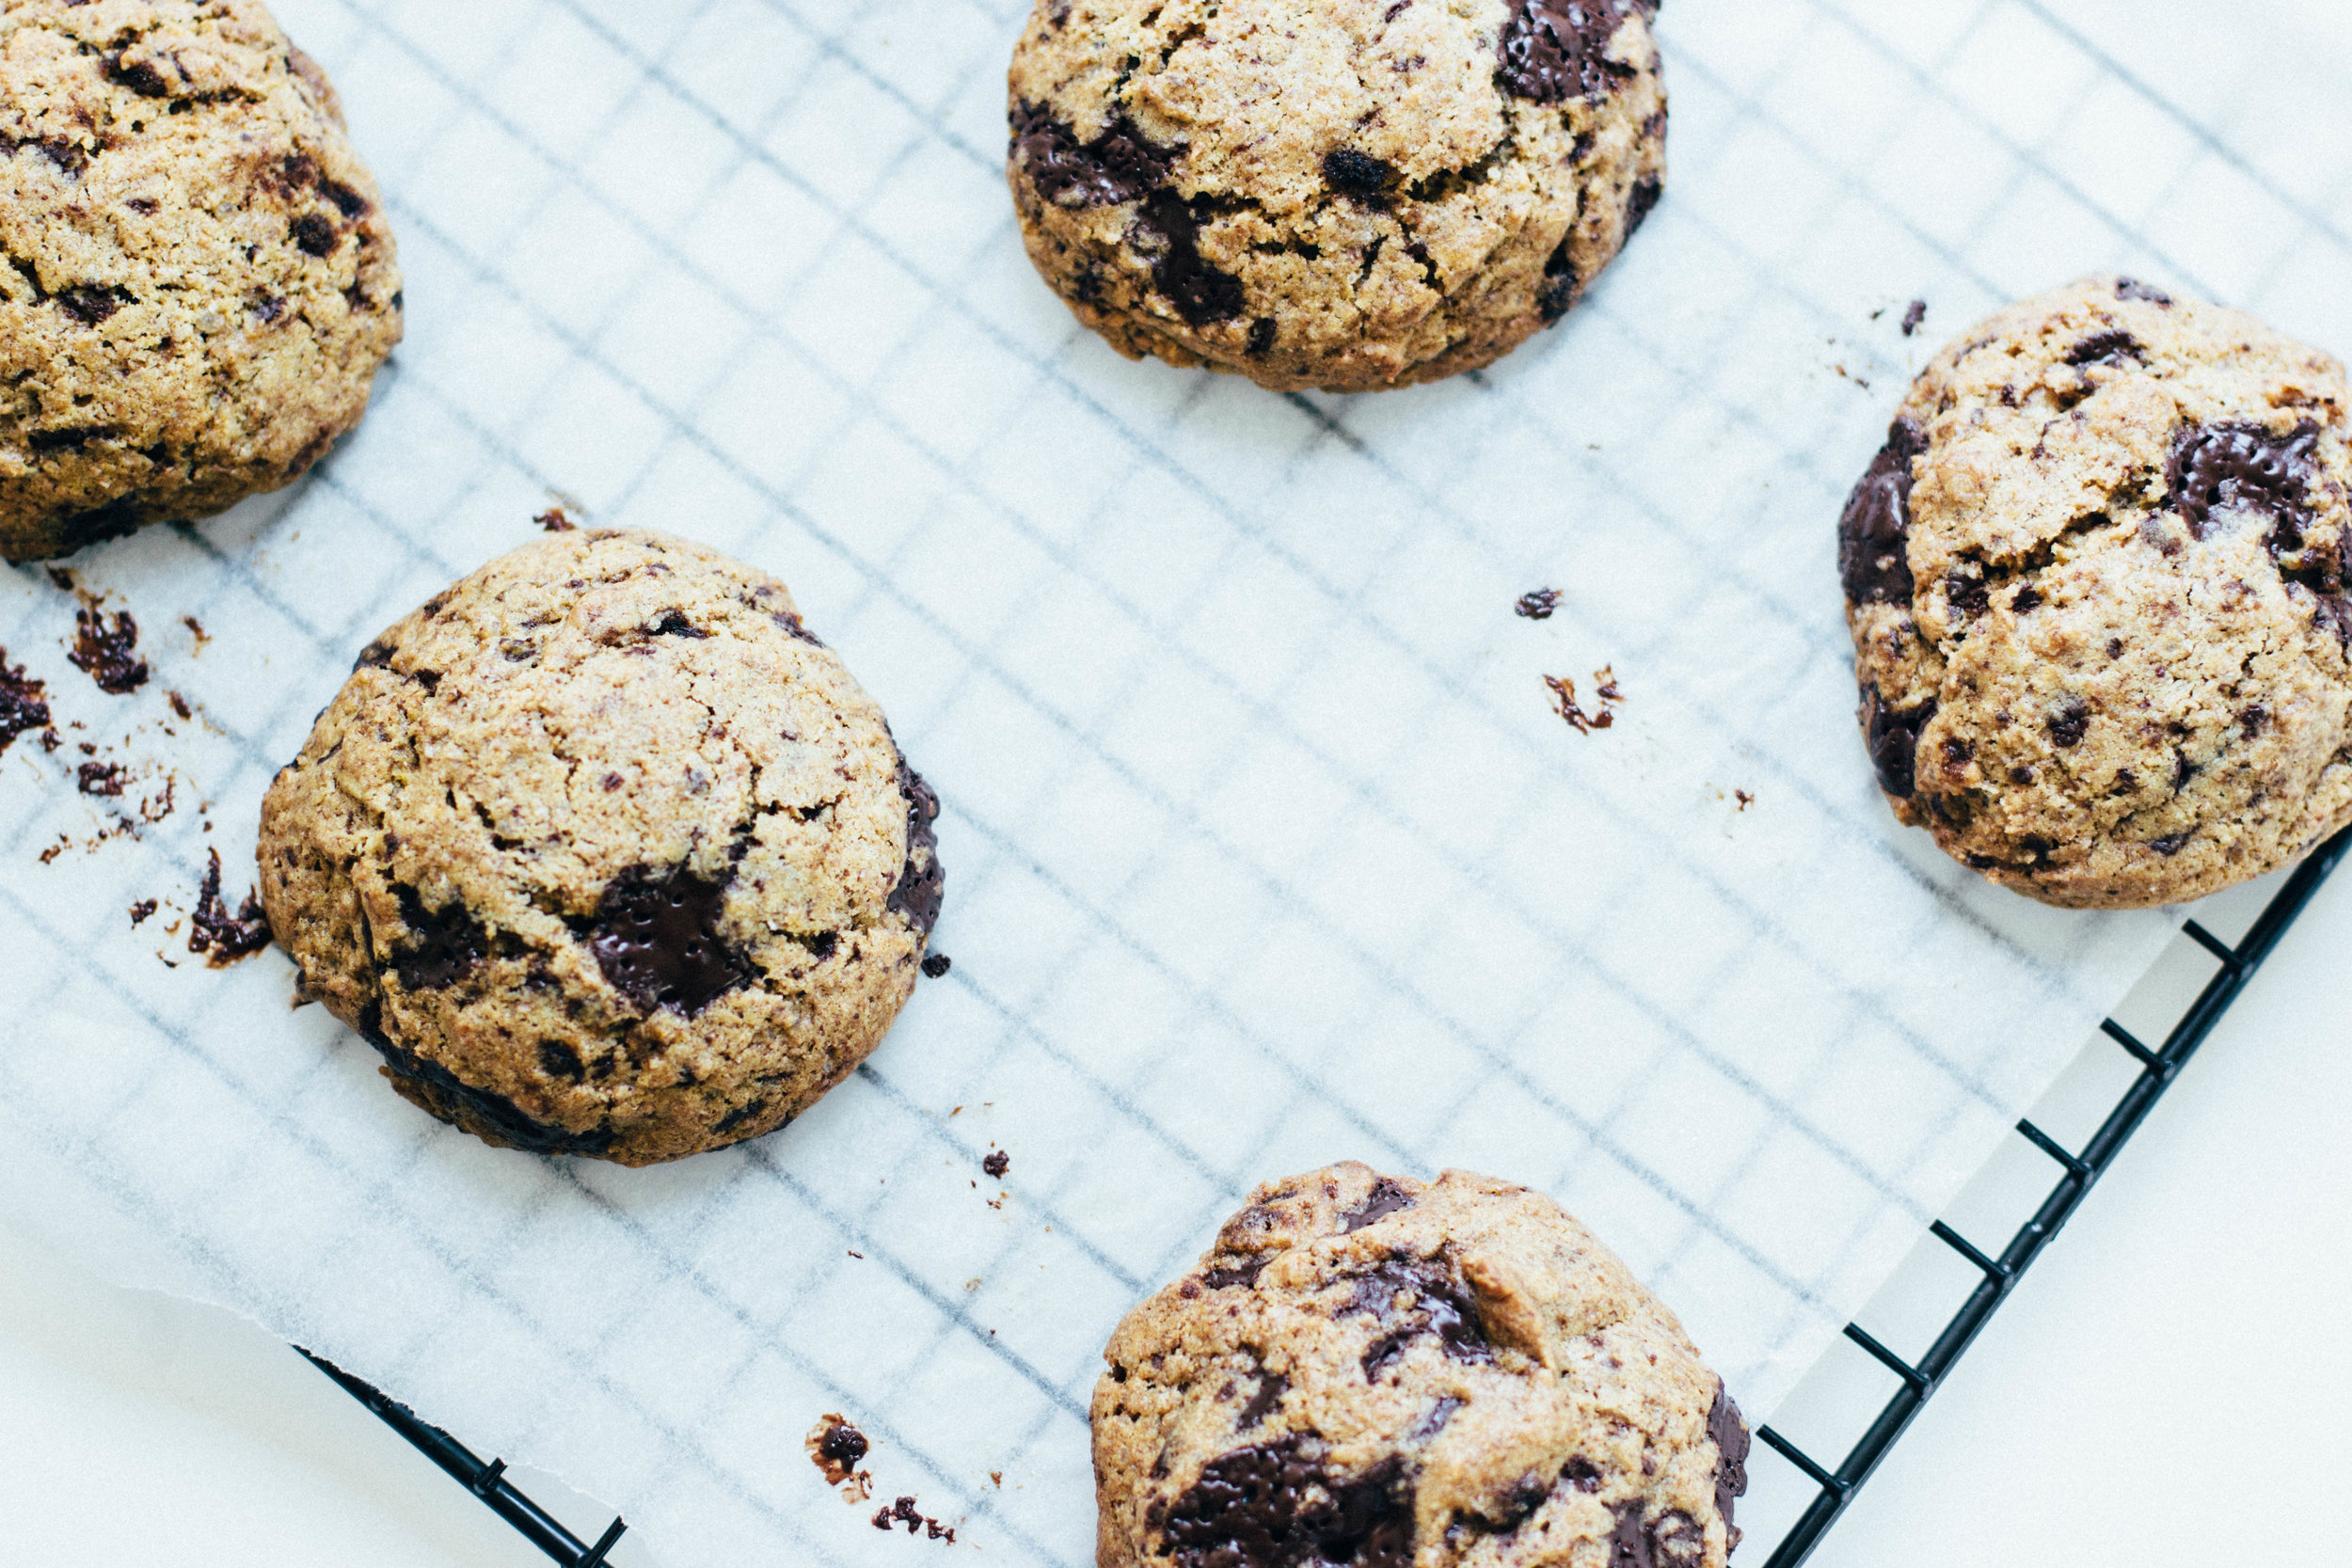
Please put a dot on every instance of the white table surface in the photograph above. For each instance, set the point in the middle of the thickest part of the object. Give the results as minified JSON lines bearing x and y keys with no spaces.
{"x":2175,"y":1360}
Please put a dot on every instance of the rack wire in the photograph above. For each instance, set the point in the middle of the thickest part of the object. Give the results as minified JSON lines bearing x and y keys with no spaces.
{"x":2000,"y":1274}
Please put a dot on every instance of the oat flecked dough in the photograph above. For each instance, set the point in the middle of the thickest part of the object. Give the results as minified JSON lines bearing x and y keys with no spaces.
{"x":200,"y":282}
{"x":1348,"y":195}
{"x":2097,"y":584}
{"x":605,"y":853}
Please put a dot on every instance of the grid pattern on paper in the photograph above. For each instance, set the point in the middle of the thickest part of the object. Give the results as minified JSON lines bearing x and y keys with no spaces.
{"x":1263,"y":848}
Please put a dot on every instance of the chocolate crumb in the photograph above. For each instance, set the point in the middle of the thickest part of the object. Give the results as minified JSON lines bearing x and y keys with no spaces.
{"x":937,"y":965}
{"x":24,"y":704}
{"x":556,"y":520}
{"x":836,"y":1447}
{"x":106,"y":651}
{"x":1744,"y":798}
{"x":105,"y":779}
{"x":140,"y":910}
{"x":195,"y":630}
{"x":1913,"y":317}
{"x":179,"y":705}
{"x":997,"y":1164}
{"x":213,"y":931}
{"x":1606,"y":692}
{"x":1539,"y":605}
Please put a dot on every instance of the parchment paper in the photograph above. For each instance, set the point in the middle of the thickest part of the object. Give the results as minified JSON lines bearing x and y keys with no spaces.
{"x":1264,"y":846}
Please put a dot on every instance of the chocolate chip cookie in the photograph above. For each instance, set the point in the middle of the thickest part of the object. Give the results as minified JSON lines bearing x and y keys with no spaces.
{"x":2097,"y":584}
{"x":200,"y":280}
{"x":1373,"y":1371}
{"x":605,"y":853}
{"x":1341,"y":194}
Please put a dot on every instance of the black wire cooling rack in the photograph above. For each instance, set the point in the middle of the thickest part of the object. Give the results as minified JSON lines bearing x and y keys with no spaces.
{"x":2078,"y":1174}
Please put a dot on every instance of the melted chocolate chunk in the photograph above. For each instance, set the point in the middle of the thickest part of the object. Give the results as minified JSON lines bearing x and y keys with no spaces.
{"x":1730,"y":1436}
{"x":1971,"y":596}
{"x":1271,"y":1388}
{"x":655,"y":937}
{"x":674,"y":624}
{"x":222,"y":937}
{"x":114,"y":521}
{"x":923,"y":882}
{"x":558,"y":1058}
{"x":1385,"y":1199}
{"x":1894,"y":739}
{"x":2132,"y":288}
{"x":1561,"y":284}
{"x":443,"y":946}
{"x":1642,"y":202}
{"x":2106,"y":348}
{"x":107,"y":652}
{"x":1555,"y":50}
{"x":447,"y":1095}
{"x":2025,"y":600}
{"x":89,"y":304}
{"x":2071,"y":724}
{"x":741,"y":1113}
{"x":313,"y":234}
{"x":1201,"y":294}
{"x":1441,"y":1304}
{"x":1435,"y":1423}
{"x":23,"y":702}
{"x":2170,"y":845}
{"x":1243,"y":1275}
{"x":1261,"y":338}
{"x":997,"y":1163}
{"x":1874,"y":534}
{"x":1358,"y":174}
{"x":836,"y":1447}
{"x":1582,"y":1473}
{"x":1120,"y":164}
{"x":1271,"y":1506}
{"x":2221,"y":467}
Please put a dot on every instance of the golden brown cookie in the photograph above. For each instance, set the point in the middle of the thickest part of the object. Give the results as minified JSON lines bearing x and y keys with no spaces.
{"x":1371,"y":1371}
{"x":605,"y":853}
{"x":1349,"y":194}
{"x":200,"y":282}
{"x":2097,"y":584}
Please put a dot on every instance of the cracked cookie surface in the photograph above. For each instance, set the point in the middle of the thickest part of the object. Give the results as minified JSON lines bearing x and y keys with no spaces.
{"x":199,"y":279}
{"x":1371,"y":1371}
{"x":2097,"y":581}
{"x":1348,"y":195}
{"x":605,"y":853}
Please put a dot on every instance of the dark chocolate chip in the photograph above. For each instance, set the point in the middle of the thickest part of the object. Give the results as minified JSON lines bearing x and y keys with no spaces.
{"x":1642,"y":202}
{"x":674,"y":624}
{"x":1261,"y":338}
{"x":1561,"y":283}
{"x":107,"y":650}
{"x":1582,"y":1473}
{"x":2071,"y":722}
{"x":90,"y":305}
{"x":655,"y":937}
{"x":142,"y":77}
{"x":1273,"y":1506}
{"x":1554,"y":50}
{"x":1360,"y":174}
{"x":1386,"y":1197}
{"x":1874,"y":533}
{"x":2106,"y":348}
{"x":558,"y":1060}
{"x":997,"y":1163}
{"x":1893,"y":740}
{"x":114,"y":521}
{"x":923,"y":882}
{"x":23,"y":702}
{"x":1730,"y":1436}
{"x":737,"y":1117}
{"x":1440,"y":1303}
{"x":1435,"y":1422}
{"x":1243,"y":1275}
{"x":2170,"y":845}
{"x":443,"y":945}
{"x":1539,"y":605}
{"x":2219,"y":468}
{"x":447,"y":1095}
{"x":2132,"y":288}
{"x":1271,"y":1386}
{"x":347,"y":201}
{"x":1970,"y":596}
{"x":1119,"y":164}
{"x":936,"y":966}
{"x":1913,"y":316}
{"x":1200,"y":292}
{"x":313,"y":234}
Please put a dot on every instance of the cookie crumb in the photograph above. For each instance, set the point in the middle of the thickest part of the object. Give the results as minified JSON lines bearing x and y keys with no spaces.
{"x":106,"y":651}
{"x":1744,"y":798}
{"x":1913,"y":317}
{"x":836,"y":1447}
{"x":996,"y":1478}
{"x":997,"y":1163}
{"x":1606,"y":693}
{"x":1539,"y":605}
{"x":937,"y":965}
{"x":555,"y":520}
{"x":195,"y":630}
{"x":224,"y":938}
